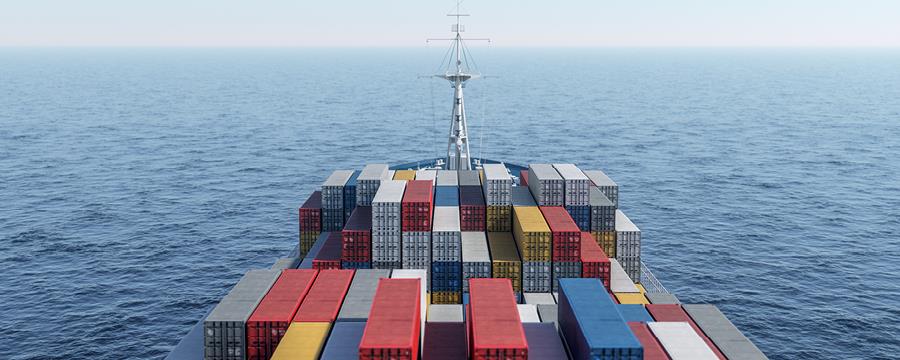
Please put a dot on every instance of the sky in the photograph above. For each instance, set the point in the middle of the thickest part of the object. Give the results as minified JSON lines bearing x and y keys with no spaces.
{"x":393,"y":23}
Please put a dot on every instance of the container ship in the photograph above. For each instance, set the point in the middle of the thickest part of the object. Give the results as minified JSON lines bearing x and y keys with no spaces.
{"x":461,"y":258}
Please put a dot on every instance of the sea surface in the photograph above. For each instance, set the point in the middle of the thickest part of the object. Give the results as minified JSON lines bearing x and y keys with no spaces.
{"x":138,"y":185}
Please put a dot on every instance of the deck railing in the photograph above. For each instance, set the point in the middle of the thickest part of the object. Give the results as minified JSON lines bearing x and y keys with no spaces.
{"x":650,"y":282}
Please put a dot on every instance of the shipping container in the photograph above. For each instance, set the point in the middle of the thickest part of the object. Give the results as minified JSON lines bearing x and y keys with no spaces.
{"x":332,"y":220}
{"x":350,"y":194}
{"x":652,"y":349}
{"x":575,"y":185}
{"x":730,"y":341}
{"x":333,"y":189}
{"x":447,"y":178}
{"x":416,"y":252}
{"x":528,"y":313}
{"x":446,"y":196}
{"x":445,"y":313}
{"x":505,"y":261}
{"x":498,"y":218}
{"x":343,"y":342}
{"x":619,"y":282}
{"x":285,"y":263}
{"x":307,"y":239}
{"x":662,"y":298}
{"x":472,"y":210}
{"x":418,"y":200}
{"x":566,"y":234}
{"x":565,"y":270}
{"x":603,"y":211}
{"x":445,"y":235}
{"x":386,"y":247}
{"x":476,"y":258}
{"x":310,"y":257}
{"x":445,"y":341}
{"x":581,"y":215}
{"x":521,"y":196}
{"x":430,"y":175}
{"x":329,"y":257}
{"x":310,"y":219}
{"x":544,"y":342}
{"x":634,"y":312}
{"x":368,"y":182}
{"x":594,"y":262}
{"x":390,"y":175}
{"x":543,"y":298}
{"x":446,"y":276}
{"x":546,"y":185}
{"x":497,"y":185}
{"x":469,"y":178}
{"x":324,"y":299}
{"x":675,"y":313}
{"x":394,"y":327}
{"x":549,"y":313}
{"x":591,"y":324}
{"x":386,"y":206}
{"x":357,"y":236}
{"x":446,"y":297}
{"x":631,"y":298}
{"x":628,"y":245}
{"x":680,"y":341}
{"x":387,"y":265}
{"x":523,"y":178}
{"x":422,"y":276}
{"x":405,"y":175}
{"x":359,"y":296}
{"x":269,"y":322}
{"x":607,"y":241}
{"x":224,"y":329}
{"x":606,"y":185}
{"x":537,"y":276}
{"x":303,"y":341}
{"x":532,"y":235}
{"x":494,"y":325}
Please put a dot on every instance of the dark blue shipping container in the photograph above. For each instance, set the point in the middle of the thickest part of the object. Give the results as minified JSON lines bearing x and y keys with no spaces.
{"x":581,"y":215}
{"x":332,"y":219}
{"x":544,"y":342}
{"x":356,"y":265}
{"x":591,"y":324}
{"x":343,"y":343}
{"x":350,"y":195}
{"x":446,"y":276}
{"x":446,"y":196}
{"x":634,"y":312}
{"x":445,"y":341}
{"x":314,"y":251}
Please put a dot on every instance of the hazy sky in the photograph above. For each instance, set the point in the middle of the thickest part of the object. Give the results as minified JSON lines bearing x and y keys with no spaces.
{"x":409,"y":22}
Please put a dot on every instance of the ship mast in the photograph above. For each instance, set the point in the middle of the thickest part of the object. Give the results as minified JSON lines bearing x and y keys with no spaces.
{"x":458,"y":156}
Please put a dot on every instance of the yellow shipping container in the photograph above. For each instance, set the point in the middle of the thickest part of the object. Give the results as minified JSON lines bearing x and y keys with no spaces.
{"x":446,"y":297}
{"x":641,"y":288}
{"x":532,"y":234}
{"x":499,"y":218}
{"x":607,"y":241}
{"x":505,"y":261}
{"x":405,"y":175}
{"x":631,"y":298}
{"x":303,"y":340}
{"x":307,"y":239}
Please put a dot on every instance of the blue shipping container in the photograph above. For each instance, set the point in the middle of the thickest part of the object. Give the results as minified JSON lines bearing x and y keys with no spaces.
{"x":350,"y":195}
{"x":634,"y":312}
{"x":356,"y":265}
{"x":446,"y":276}
{"x":591,"y":324}
{"x":332,"y":219}
{"x":581,"y":215}
{"x":343,"y":343}
{"x":314,"y":251}
{"x":446,"y":196}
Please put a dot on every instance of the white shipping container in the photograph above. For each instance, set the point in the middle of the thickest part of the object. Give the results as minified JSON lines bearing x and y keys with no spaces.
{"x":368,"y":182}
{"x":426,"y":175}
{"x":546,"y":185}
{"x":681,"y":341}
{"x":476,"y":257}
{"x":386,"y":206}
{"x":452,"y":313}
{"x":619,"y":280}
{"x":628,"y":245}
{"x":528,"y":313}
{"x":333,"y":189}
{"x":609,"y":187}
{"x":575,"y":184}
{"x":497,"y":185}
{"x":539,"y":298}
{"x":447,"y":178}
{"x":445,"y":236}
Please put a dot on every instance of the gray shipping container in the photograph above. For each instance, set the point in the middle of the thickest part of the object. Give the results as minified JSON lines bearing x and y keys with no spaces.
{"x":681,"y":341}
{"x":536,"y":276}
{"x":543,"y":298}
{"x":603,"y":211}
{"x":549,"y":314}
{"x":528,"y":313}
{"x":426,"y":175}
{"x":445,"y":235}
{"x":416,"y":250}
{"x":661,"y":298}
{"x":386,"y":206}
{"x":619,"y":280}
{"x":307,"y":262}
{"x":368,"y":182}
{"x":286,"y":263}
{"x":730,"y":341}
{"x":575,"y":184}
{"x":609,"y":187}
{"x":447,"y":178}
{"x":628,"y":245}
{"x":387,"y":265}
{"x":497,"y":185}
{"x":469,"y":178}
{"x":546,"y":185}
{"x":386,"y":246}
{"x":521,"y":196}
{"x":565,"y":269}
{"x":224,"y":330}
{"x":445,"y":313}
{"x":333,"y":189}
{"x":476,"y":258}
{"x":358,"y":300}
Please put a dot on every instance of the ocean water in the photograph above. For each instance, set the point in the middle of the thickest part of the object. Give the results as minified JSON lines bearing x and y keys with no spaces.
{"x":137,"y":185}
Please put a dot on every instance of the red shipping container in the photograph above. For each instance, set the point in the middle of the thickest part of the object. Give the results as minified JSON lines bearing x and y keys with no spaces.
{"x":594,"y":262}
{"x":652,"y":349}
{"x":417,"y":206}
{"x":311,"y":213}
{"x":329,"y":257}
{"x":324,"y":299}
{"x":357,"y":236}
{"x":472,"y":209}
{"x":674,"y":312}
{"x":566,"y":234}
{"x":523,"y":177}
{"x":395,"y":320}
{"x":273,"y":315}
{"x":496,"y":330}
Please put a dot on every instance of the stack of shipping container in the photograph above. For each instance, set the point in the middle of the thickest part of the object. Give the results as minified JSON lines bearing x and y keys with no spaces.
{"x":497,"y":188}
{"x":386,"y":225}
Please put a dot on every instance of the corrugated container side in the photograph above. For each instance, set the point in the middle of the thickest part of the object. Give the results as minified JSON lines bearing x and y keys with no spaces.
{"x":343,"y":342}
{"x":350,"y":194}
{"x":359,"y":296}
{"x":594,"y":262}
{"x":324,"y":299}
{"x":674,"y":313}
{"x":505,"y":261}
{"x":333,"y":189}
{"x":332,"y":220}
{"x":418,"y":201}
{"x":394,"y":327}
{"x":590,"y":323}
{"x":386,"y":208}
{"x":628,"y":245}
{"x":475,"y":256}
{"x":607,"y":241}
{"x":469,"y":178}
{"x":532,"y":234}
{"x":446,"y":297}
{"x":310,"y":213}
{"x":472,"y":210}
{"x":497,"y":184}
{"x":303,"y":341}
{"x":368,"y":182}
{"x":416,"y":250}
{"x":681,"y":342}
{"x":496,"y":330}
{"x":446,"y":276}
{"x":566,"y":234}
{"x":499,"y":218}
{"x":536,"y":276}
{"x":307,"y":262}
{"x":546,"y":185}
{"x":357,"y":236}
{"x":224,"y":330}
{"x":445,"y":341}
{"x":730,"y":341}
{"x":609,"y":187}
{"x":565,"y":270}
{"x":602,"y":212}
{"x":422,"y":276}
{"x":445,"y":235}
{"x":581,"y":215}
{"x":329,"y":257}
{"x":269,"y":322}
{"x":576,"y":184}
{"x":544,"y":342}
{"x":386,"y":247}
{"x":652,"y":349}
